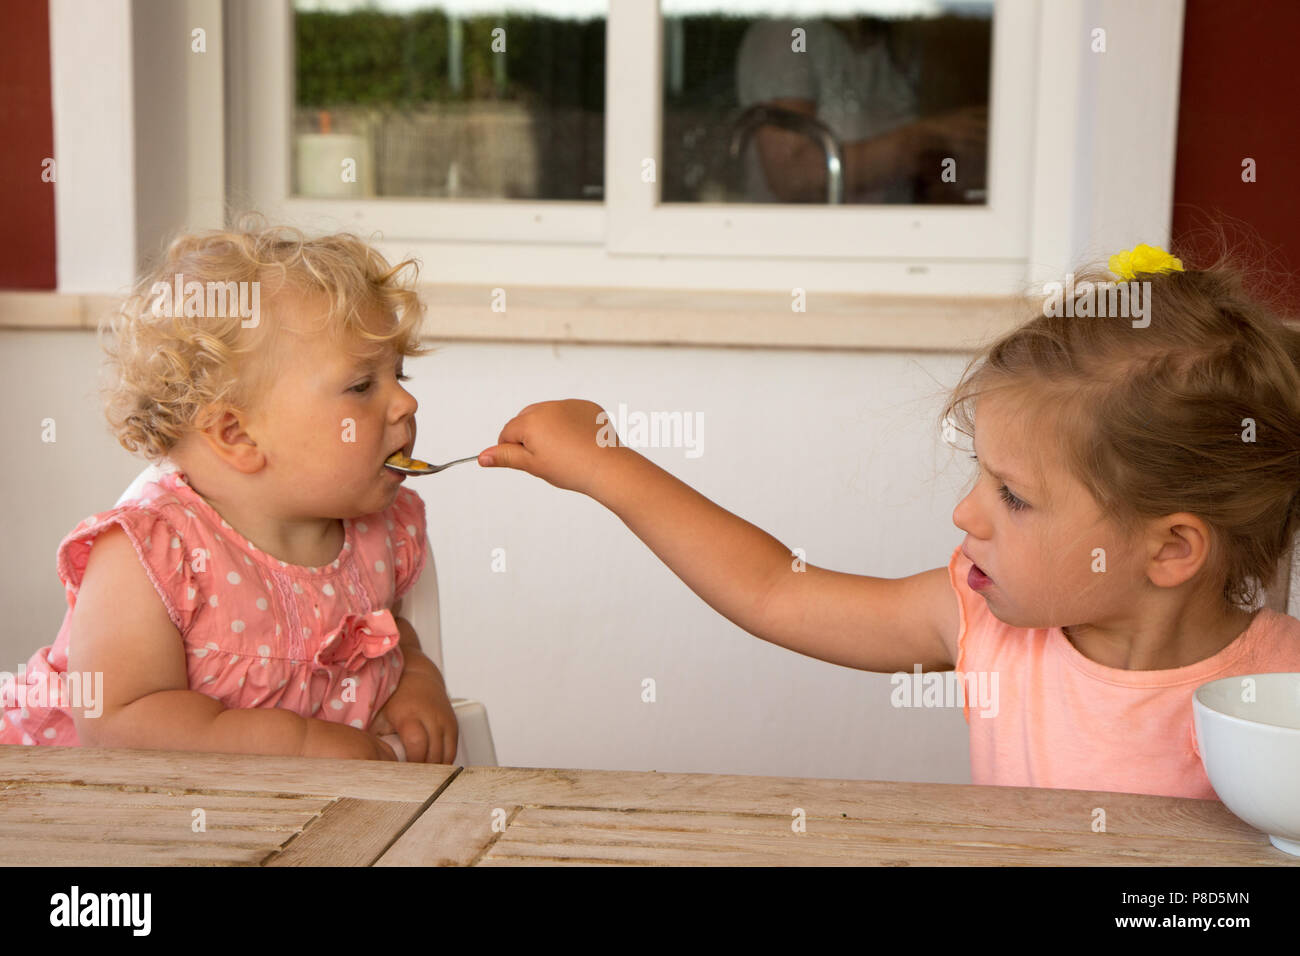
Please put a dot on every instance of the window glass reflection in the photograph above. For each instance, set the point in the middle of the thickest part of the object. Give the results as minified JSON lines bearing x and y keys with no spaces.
{"x":458,"y":99}
{"x":852,"y":102}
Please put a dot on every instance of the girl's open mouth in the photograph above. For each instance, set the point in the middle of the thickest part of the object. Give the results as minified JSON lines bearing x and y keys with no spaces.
{"x":977,"y":579}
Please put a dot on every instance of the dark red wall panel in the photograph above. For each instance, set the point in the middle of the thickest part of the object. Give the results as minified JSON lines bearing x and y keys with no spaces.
{"x":27,"y":135}
{"x":1238,"y":99}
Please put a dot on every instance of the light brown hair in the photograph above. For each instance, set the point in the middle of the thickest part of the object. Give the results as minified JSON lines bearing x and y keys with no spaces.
{"x":1157,"y":420}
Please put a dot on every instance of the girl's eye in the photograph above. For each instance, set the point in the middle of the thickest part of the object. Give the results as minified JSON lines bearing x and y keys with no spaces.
{"x":403,"y":378}
{"x":359,"y":388}
{"x":1012,"y":502}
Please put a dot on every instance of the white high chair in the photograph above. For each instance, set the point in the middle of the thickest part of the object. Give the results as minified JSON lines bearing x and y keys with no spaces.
{"x":419,"y":606}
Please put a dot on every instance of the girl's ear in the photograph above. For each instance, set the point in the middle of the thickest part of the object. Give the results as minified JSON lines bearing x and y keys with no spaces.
{"x":227,"y":436}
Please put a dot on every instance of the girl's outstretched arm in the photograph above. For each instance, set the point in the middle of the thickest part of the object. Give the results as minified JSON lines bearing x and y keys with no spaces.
{"x":742,"y":572}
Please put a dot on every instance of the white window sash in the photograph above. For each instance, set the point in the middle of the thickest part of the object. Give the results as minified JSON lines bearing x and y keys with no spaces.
{"x":260,"y":124}
{"x":639,"y":223}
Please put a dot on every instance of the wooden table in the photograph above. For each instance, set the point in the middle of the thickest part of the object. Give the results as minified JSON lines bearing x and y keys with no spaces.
{"x":95,"y":807}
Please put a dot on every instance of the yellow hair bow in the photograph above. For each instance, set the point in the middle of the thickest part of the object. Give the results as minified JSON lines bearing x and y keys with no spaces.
{"x":1143,"y":258}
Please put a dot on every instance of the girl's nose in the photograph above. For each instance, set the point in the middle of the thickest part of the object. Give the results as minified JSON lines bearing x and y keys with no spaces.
{"x":964,"y":515}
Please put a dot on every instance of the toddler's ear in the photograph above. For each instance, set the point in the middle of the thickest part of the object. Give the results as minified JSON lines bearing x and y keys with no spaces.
{"x":230,"y":441}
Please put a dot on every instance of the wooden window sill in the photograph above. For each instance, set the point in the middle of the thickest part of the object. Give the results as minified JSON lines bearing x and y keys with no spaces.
{"x":622,"y":316}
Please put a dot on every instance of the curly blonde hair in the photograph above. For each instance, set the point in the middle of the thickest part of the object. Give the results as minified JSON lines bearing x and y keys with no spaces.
{"x":171,"y":374}
{"x":1198,"y":412}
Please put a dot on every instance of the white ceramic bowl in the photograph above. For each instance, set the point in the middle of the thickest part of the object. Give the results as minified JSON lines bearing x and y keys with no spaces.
{"x":1248,"y":730}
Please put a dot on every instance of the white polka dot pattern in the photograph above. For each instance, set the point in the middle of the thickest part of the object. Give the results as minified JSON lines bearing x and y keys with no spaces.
{"x":243,"y":614}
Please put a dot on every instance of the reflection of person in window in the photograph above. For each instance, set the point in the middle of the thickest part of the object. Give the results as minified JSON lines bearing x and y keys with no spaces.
{"x":847,"y":79}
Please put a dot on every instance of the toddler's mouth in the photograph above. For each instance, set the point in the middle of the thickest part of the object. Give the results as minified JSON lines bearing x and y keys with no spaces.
{"x":400,"y":455}
{"x":391,"y":468}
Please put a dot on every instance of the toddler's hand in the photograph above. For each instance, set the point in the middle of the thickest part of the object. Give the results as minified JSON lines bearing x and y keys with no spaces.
{"x":420,"y":715}
{"x":564,"y":443}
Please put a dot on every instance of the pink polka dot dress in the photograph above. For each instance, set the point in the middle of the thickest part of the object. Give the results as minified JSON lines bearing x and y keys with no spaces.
{"x":258,"y":632}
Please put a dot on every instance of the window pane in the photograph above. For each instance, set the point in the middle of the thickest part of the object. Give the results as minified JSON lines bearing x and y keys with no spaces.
{"x":898,"y":90}
{"x":449,"y":100}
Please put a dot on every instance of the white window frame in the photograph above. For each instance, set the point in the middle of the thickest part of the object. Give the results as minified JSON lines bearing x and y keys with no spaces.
{"x":1099,"y":176}
{"x":631,"y":219}
{"x":640,"y":223}
{"x":260,"y":58}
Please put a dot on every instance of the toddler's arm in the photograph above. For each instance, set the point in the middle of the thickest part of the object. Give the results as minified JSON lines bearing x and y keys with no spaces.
{"x":120,"y":628}
{"x":876,"y":624}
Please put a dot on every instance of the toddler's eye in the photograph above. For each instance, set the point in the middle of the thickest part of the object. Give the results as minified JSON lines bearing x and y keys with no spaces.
{"x":403,"y":378}
{"x":359,"y":388}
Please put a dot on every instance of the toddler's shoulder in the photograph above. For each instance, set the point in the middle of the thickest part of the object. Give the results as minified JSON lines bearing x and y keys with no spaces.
{"x":157,"y":533}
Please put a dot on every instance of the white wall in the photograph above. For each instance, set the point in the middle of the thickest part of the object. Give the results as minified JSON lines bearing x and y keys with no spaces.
{"x":836,"y":453}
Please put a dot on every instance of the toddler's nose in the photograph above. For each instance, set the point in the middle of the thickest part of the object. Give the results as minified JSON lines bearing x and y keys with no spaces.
{"x":404,"y":406}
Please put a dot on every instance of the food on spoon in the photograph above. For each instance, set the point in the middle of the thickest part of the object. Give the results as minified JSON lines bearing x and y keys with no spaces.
{"x":401,"y":461}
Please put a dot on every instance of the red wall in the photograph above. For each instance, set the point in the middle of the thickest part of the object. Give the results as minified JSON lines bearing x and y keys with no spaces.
{"x":1238,"y":98}
{"x":27,"y":132}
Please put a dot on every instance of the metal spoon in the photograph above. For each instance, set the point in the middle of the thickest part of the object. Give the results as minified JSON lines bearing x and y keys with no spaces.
{"x":418,"y":467}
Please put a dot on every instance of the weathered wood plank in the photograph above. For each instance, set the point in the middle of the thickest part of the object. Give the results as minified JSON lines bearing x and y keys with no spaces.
{"x":654,"y":838}
{"x":148,"y":826}
{"x":361,"y":779}
{"x":867,"y":800}
{"x":29,"y":852}
{"x":159,"y":833}
{"x":349,"y":833}
{"x":42,"y":799}
{"x":450,"y":834}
